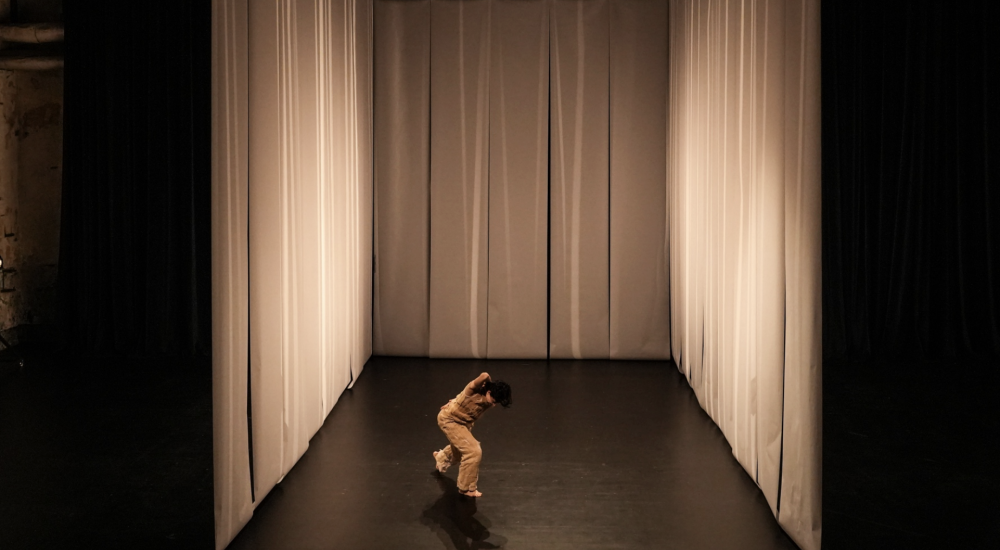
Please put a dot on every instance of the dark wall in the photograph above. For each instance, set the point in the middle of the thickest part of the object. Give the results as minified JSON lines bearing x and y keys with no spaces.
{"x":134,"y":255}
{"x":911,"y":163}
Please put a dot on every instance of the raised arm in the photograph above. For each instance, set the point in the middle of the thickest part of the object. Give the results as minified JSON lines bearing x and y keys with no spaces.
{"x":477,"y":384}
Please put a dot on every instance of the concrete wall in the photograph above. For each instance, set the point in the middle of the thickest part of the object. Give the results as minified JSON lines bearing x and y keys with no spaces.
{"x":31,"y":110}
{"x":30,"y":192}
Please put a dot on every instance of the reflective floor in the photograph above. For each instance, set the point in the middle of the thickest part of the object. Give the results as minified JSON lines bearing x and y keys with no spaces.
{"x":593,"y":454}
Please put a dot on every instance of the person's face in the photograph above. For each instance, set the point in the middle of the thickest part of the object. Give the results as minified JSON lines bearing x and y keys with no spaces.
{"x":490,"y":398}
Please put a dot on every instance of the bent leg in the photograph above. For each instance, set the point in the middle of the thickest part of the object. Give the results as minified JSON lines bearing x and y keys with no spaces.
{"x":445,"y":458}
{"x":468,"y":451}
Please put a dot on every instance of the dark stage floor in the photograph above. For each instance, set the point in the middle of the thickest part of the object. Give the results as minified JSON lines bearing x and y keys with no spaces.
{"x":910,"y":455}
{"x":105,"y":453}
{"x":592,"y":454}
{"x":117,"y":453}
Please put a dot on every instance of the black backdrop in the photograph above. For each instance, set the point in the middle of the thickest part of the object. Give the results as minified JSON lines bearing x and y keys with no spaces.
{"x":911,"y":159}
{"x":135,"y":273}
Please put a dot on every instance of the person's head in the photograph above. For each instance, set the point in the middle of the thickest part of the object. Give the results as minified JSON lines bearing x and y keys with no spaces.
{"x":500,"y":392}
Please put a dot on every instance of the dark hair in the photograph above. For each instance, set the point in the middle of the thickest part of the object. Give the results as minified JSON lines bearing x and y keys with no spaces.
{"x":500,"y":391}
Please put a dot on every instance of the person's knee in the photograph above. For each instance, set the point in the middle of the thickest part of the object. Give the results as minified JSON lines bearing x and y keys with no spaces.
{"x":475,"y":452}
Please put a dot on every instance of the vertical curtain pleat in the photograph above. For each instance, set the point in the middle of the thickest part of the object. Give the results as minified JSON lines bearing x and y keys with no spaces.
{"x":518,"y":181}
{"x":770,"y":219}
{"x":362,"y":78}
{"x":639,"y":292}
{"x":267,"y":264}
{"x":578,"y":284}
{"x":460,"y":63}
{"x":402,"y":177}
{"x":745,"y":237}
{"x":298,"y":297}
{"x":229,"y":268}
{"x":801,"y":471}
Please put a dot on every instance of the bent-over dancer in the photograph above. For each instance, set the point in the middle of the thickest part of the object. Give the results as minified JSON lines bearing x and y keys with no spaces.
{"x":456,"y":419}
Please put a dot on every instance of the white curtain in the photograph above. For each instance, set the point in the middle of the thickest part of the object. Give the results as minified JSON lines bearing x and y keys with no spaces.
{"x":744,"y":212}
{"x":578,"y":222}
{"x":291,"y":233}
{"x":521,"y":179}
{"x":640,"y":282}
{"x":517,"y":322}
{"x":459,"y":134}
{"x":402,"y":175}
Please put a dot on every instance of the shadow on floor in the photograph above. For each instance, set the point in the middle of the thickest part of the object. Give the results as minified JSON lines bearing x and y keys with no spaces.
{"x":454,"y":519}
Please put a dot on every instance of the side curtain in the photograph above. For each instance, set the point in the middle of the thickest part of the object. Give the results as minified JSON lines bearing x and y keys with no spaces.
{"x":291,"y":233}
{"x":911,"y":138}
{"x":135,"y":237}
{"x":744,"y":210}
{"x":521,"y":179}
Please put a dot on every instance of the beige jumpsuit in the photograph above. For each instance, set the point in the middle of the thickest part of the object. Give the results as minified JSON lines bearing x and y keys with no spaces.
{"x":456,"y":420}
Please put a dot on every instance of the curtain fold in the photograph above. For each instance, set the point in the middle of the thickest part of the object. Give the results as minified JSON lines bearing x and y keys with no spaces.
{"x":578,"y":222}
{"x":745,"y":238}
{"x":460,"y":163}
{"x":800,"y":499}
{"x":402,"y":177}
{"x":639,"y":283}
{"x":518,"y":181}
{"x":230,"y":269}
{"x":291,"y":247}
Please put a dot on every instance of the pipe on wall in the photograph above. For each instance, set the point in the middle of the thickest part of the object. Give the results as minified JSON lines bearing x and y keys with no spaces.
{"x":27,"y":62}
{"x":32,"y":33}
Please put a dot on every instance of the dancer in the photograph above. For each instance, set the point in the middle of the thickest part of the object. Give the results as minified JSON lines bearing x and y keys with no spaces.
{"x":456,"y":420}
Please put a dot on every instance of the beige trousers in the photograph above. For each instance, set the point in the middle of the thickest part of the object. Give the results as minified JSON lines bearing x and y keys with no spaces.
{"x":464,"y":449}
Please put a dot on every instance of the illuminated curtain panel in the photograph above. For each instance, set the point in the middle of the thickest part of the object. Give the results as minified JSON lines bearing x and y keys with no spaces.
{"x":402,"y":171}
{"x":304,"y":251}
{"x":518,"y":180}
{"x":578,"y":290}
{"x":460,"y":63}
{"x":639,"y":285}
{"x":801,"y":472}
{"x":268,"y":264}
{"x":303,"y":321}
{"x":745,"y":237}
{"x":230,"y":325}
